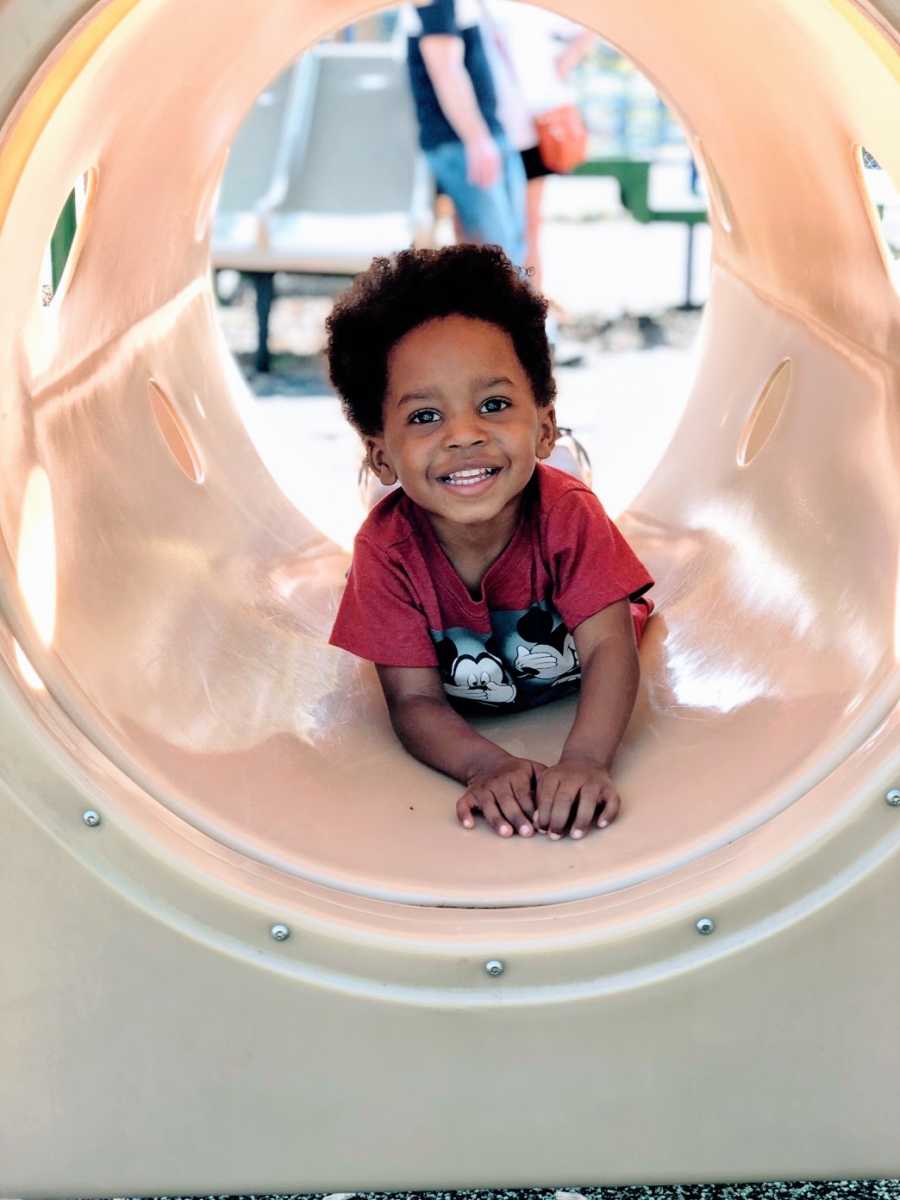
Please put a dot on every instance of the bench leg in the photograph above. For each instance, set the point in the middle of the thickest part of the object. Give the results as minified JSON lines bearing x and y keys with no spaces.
{"x":264,"y":283}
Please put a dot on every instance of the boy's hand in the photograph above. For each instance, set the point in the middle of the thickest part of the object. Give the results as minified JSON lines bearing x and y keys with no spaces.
{"x":504,"y":793}
{"x":576,"y":782}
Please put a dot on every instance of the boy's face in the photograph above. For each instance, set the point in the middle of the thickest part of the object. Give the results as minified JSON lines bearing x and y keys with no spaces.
{"x":461,"y":426}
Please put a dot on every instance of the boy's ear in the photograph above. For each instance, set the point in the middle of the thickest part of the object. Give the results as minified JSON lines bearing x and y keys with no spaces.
{"x":376,"y":456}
{"x":547,"y":432}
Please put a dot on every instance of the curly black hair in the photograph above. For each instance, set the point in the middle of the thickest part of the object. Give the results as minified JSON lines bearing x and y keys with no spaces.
{"x":399,"y":293}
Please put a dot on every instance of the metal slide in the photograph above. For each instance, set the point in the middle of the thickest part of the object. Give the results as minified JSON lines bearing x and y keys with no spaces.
{"x":344,"y":179}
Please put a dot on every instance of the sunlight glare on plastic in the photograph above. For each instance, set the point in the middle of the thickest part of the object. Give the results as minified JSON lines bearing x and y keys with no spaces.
{"x":36,"y":557}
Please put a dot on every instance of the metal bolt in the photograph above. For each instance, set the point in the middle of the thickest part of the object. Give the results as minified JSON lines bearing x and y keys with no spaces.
{"x":280,"y":933}
{"x":495,"y":967}
{"x":893,"y":797}
{"x":705,"y":925}
{"x":91,"y":818}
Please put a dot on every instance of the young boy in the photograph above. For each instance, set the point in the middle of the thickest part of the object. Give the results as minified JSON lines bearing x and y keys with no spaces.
{"x":488,"y":581}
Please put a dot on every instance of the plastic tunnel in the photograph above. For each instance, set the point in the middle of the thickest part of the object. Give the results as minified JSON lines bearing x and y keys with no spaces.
{"x":185,"y":766}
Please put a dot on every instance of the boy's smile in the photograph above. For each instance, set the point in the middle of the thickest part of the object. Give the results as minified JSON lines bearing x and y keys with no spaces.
{"x":461,"y":427}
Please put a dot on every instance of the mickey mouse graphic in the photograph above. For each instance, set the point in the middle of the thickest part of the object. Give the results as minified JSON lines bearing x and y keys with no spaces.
{"x":551,"y":655}
{"x":476,"y":677}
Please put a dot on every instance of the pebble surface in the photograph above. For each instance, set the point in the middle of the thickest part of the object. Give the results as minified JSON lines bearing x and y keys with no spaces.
{"x":844,"y":1189}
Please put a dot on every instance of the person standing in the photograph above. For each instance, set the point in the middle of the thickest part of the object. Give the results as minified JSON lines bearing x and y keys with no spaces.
{"x":460,"y":132}
{"x":534,"y":53}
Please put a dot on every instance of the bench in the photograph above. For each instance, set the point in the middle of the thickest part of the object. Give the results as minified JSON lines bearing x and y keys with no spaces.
{"x":634,"y":177}
{"x":325,"y":174}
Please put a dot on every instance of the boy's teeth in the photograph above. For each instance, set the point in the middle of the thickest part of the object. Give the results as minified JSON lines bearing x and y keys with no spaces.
{"x":471,"y":475}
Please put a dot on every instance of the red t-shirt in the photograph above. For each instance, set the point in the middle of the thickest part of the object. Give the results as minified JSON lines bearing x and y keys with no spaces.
{"x":405,"y":605}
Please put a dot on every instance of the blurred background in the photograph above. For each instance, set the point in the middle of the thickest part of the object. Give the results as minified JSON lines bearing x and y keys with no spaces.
{"x":327,"y":171}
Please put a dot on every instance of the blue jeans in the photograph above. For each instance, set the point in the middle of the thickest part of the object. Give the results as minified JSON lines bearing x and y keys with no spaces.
{"x":494,"y":215}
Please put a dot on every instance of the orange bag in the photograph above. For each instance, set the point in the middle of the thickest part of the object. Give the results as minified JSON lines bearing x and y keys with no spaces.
{"x":562,"y":138}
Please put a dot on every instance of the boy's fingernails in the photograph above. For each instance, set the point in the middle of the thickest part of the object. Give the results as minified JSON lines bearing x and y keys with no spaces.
{"x":526,"y":830}
{"x":554,"y":837}
{"x":468,"y":823}
{"x":506,"y":829}
{"x":577,"y":833}
{"x":602,"y":823}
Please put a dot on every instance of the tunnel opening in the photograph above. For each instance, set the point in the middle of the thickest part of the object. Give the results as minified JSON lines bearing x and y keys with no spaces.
{"x":192,"y":605}
{"x":624,"y":339}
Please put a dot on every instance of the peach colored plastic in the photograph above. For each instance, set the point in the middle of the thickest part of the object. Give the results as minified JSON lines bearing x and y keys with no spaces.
{"x":164,"y":611}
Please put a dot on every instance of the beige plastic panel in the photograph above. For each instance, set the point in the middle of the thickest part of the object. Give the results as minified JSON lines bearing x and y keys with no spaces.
{"x":164,"y":610}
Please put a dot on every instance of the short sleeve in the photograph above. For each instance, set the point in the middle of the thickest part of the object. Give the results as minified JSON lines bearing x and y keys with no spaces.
{"x":438,"y":17}
{"x":379,"y":617}
{"x":591,"y":563}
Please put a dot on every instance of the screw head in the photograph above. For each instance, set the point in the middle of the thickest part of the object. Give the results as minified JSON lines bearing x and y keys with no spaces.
{"x":280,"y":933}
{"x":893,"y":797}
{"x":706,"y":926}
{"x":91,"y":818}
{"x":495,"y":967}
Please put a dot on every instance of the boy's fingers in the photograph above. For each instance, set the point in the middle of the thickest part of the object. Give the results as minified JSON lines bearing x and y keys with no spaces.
{"x":465,"y":810}
{"x":534,"y":789}
{"x":546,"y":791}
{"x":563,"y":802}
{"x":509,"y":806}
{"x":493,"y":815}
{"x":588,"y":800}
{"x":610,"y":808}
{"x":523,"y":790}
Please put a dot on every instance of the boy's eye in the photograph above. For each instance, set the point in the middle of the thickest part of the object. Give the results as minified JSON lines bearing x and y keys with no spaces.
{"x":494,"y":404}
{"x":424,"y":416}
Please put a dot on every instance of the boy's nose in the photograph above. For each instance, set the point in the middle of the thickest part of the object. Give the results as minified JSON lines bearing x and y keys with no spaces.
{"x":463,"y":432}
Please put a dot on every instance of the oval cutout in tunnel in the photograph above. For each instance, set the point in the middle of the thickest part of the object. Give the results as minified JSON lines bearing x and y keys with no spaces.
{"x":763,"y":418}
{"x":67,"y":239}
{"x":884,"y":210}
{"x":174,"y":433}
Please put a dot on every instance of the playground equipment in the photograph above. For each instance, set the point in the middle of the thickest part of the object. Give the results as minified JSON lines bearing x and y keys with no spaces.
{"x":636,"y":141}
{"x":325,"y":173}
{"x":245,"y":945}
{"x":633,"y":174}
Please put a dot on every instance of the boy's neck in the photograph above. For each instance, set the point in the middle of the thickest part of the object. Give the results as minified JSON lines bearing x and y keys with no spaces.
{"x":474,"y":548}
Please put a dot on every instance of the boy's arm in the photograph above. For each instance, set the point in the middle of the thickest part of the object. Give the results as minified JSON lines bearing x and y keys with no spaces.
{"x":498,"y":784}
{"x":610,"y":671}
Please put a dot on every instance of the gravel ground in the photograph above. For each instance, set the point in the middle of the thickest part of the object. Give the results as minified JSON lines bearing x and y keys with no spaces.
{"x":852,"y":1189}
